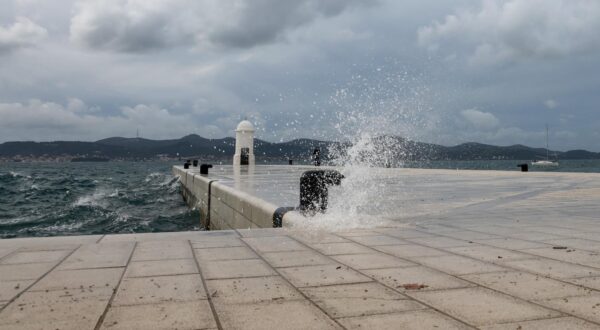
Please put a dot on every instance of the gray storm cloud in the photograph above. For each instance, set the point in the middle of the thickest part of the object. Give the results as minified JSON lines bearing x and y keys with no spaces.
{"x":89,"y":69}
{"x":144,"y":25}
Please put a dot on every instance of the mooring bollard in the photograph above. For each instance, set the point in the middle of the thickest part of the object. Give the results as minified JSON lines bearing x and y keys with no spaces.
{"x":187,"y":164}
{"x":524,"y":167}
{"x":195,"y":163}
{"x":317,"y":157}
{"x":290,"y":162}
{"x":314,"y":189}
{"x":204,"y":168}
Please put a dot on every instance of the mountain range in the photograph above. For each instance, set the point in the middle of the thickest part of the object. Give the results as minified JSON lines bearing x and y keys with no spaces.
{"x":300,"y":149}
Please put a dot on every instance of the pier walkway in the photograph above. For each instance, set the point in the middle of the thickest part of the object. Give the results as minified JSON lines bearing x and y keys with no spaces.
{"x":459,"y":275}
{"x":512,"y":260}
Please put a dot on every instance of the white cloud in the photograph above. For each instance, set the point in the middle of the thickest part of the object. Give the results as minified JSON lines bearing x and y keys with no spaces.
{"x":551,"y":104}
{"x":483,"y":121}
{"x":37,"y":120}
{"x":22,"y":33}
{"x":143,"y":25}
{"x":504,"y":31}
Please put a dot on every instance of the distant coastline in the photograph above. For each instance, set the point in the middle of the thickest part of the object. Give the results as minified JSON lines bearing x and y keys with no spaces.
{"x":195,"y":146}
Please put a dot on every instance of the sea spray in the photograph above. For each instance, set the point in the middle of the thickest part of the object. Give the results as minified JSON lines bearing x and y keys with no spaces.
{"x":374,"y":125}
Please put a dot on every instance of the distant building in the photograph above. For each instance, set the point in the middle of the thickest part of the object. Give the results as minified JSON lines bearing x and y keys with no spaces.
{"x":244,"y":144}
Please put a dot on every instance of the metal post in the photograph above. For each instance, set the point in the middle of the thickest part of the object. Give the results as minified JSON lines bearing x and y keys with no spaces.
{"x":314,"y":189}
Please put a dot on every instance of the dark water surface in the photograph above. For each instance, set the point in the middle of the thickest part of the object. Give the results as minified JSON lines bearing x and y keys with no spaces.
{"x":48,"y":199}
{"x":51,"y":199}
{"x":585,"y":165}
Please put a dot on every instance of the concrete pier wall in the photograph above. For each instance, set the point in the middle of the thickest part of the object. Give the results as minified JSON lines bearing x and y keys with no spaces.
{"x":221,"y":206}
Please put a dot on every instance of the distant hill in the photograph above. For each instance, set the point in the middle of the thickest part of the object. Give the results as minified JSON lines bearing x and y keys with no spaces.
{"x":300,"y":149}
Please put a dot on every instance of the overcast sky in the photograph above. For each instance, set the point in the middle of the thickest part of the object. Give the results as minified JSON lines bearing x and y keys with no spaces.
{"x":447,"y":72}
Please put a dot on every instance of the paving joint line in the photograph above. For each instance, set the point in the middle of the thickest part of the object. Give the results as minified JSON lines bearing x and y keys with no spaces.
{"x":115,"y":290}
{"x":165,"y":259}
{"x":208,"y":294}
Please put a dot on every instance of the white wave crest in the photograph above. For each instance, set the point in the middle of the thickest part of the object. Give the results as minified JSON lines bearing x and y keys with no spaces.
{"x":97,"y":198}
{"x":152,"y":176}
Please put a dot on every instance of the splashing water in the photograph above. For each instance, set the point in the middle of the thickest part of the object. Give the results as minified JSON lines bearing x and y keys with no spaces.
{"x":375,"y":125}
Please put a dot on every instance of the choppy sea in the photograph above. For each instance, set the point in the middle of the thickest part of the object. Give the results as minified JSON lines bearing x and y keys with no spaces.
{"x":52,"y":199}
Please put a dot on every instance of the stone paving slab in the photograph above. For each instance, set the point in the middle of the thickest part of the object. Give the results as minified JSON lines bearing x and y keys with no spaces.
{"x":479,"y":306}
{"x":431,"y":279}
{"x":224,"y":253}
{"x":236,"y":268}
{"x":25,"y":271}
{"x":488,"y":253}
{"x":100,"y":255}
{"x":29,"y":257}
{"x":588,"y":282}
{"x":10,"y":289}
{"x":586,"y":307}
{"x":62,"y":309}
{"x":413,"y":320}
{"x":161,"y":267}
{"x":527,"y":286}
{"x":80,"y":278}
{"x":459,"y":265}
{"x":283,"y":314}
{"x":559,"y":323}
{"x":159,"y":289}
{"x":172,"y":315}
{"x":296,"y":258}
{"x":360,"y":299}
{"x":371,"y":261}
{"x":322,"y":275}
{"x":553,"y":268}
{"x":159,"y":250}
{"x":251,"y":290}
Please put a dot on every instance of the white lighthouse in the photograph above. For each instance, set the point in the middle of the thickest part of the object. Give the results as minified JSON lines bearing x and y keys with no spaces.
{"x":244,"y":144}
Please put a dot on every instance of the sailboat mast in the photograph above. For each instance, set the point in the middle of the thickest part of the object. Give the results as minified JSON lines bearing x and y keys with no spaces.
{"x":547,"y":150}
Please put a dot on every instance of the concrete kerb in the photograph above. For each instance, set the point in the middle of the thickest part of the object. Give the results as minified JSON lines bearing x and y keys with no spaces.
{"x":260,"y":213}
{"x":216,"y":200}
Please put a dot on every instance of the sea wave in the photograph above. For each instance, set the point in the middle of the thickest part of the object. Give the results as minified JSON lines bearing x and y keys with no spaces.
{"x":97,"y":198}
{"x":63,"y":199}
{"x":153,"y":176}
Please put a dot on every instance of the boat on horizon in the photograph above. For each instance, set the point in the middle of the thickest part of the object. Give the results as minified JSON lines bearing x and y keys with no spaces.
{"x":545,"y":162}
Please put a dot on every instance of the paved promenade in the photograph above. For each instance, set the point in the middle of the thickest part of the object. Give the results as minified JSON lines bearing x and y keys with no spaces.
{"x":487,"y":250}
{"x":458,"y":274}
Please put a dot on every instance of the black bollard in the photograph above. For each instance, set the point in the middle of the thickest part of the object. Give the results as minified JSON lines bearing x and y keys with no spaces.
{"x":204,"y":168}
{"x":195,"y":163}
{"x":314,"y":189}
{"x":524,"y":167}
{"x":290,"y":162}
{"x":317,"y":157}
